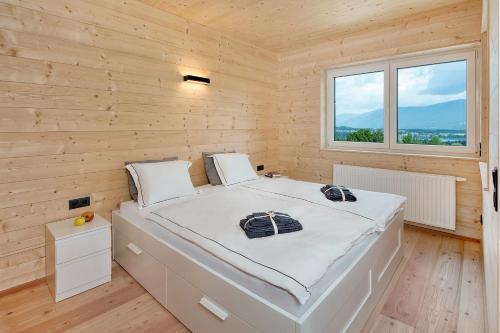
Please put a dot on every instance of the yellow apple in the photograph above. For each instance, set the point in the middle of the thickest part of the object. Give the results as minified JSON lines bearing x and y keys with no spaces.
{"x":80,"y":220}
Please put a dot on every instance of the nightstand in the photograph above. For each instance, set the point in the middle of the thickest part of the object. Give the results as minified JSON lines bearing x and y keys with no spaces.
{"x":78,"y":258}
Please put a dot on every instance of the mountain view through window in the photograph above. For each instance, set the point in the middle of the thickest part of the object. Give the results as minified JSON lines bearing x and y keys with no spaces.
{"x":359,"y":107}
{"x":431,"y":105}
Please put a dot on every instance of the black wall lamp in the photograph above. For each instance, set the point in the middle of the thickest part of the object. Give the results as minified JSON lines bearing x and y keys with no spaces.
{"x":196,"y":79}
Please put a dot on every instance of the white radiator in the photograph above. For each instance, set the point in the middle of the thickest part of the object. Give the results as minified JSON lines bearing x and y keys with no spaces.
{"x":431,"y":199}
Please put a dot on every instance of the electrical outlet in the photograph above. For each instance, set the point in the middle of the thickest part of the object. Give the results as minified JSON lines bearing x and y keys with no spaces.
{"x":79,"y":202}
{"x":260,"y":167}
{"x":84,"y":202}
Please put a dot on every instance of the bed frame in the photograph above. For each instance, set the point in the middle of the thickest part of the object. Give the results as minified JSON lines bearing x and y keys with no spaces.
{"x":206,"y":301}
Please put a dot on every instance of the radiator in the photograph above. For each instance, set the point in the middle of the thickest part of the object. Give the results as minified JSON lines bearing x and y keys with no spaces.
{"x":431,"y":199}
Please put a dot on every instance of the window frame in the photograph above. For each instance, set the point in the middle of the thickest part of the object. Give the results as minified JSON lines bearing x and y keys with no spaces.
{"x":390,"y":67}
{"x":330,"y":103}
{"x":469,"y":57}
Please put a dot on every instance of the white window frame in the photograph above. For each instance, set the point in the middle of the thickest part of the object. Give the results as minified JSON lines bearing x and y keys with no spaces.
{"x":390,"y":67}
{"x":470,"y":148}
{"x":330,"y":95}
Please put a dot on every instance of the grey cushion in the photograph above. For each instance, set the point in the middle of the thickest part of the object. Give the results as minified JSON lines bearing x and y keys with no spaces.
{"x":213,"y":176}
{"x":131,"y":185}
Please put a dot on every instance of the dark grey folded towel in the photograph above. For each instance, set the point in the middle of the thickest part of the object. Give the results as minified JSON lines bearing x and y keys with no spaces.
{"x":338,"y":193}
{"x":261,"y":224}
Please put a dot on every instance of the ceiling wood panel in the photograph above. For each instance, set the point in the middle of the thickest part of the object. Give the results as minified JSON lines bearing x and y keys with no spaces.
{"x":280,"y":25}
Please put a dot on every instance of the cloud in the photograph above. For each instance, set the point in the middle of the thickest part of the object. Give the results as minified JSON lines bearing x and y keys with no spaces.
{"x":447,"y":78}
{"x":359,"y":93}
{"x":417,"y":86}
{"x":431,"y":84}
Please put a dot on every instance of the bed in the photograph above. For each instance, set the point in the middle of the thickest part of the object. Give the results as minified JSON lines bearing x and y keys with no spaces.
{"x":209,"y":292}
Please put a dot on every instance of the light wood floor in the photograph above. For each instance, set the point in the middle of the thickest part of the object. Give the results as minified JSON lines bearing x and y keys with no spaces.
{"x":438,"y":288}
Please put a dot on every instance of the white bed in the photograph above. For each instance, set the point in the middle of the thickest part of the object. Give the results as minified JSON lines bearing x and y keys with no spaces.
{"x":207,"y":293}
{"x":275,"y":295}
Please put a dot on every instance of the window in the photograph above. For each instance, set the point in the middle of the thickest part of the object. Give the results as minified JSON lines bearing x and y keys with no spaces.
{"x":359,"y":121}
{"x":421,"y":104}
{"x":348,"y":110}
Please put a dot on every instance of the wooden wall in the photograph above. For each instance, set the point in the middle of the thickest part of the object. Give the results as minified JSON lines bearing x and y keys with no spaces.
{"x":299,"y":107}
{"x":88,"y":84}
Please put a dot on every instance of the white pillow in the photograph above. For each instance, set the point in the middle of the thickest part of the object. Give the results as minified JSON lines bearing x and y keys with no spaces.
{"x":162,"y":181}
{"x":234,"y":168}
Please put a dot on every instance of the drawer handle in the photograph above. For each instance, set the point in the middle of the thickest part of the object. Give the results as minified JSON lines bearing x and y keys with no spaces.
{"x":214,"y":308}
{"x":134,"y":248}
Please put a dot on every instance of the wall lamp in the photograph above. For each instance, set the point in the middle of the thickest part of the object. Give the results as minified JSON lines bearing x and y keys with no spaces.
{"x":196,"y":79}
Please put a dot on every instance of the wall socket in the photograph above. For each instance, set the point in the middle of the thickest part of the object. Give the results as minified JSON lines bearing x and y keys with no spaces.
{"x":79,"y":202}
{"x":260,"y":167}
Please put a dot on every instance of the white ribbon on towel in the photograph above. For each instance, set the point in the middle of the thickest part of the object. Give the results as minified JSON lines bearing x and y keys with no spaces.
{"x":270,"y":214}
{"x":340,"y":189}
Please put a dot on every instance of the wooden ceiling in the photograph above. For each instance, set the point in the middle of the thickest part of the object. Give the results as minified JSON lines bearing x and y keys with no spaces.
{"x":281,"y":25}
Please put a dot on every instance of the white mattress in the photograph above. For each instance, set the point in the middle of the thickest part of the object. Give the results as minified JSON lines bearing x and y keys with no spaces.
{"x":273,"y":294}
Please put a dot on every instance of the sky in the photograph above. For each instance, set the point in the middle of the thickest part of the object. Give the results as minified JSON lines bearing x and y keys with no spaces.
{"x":417,"y":86}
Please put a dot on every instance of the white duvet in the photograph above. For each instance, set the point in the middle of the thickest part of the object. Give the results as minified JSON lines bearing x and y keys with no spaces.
{"x":294,"y":261}
{"x":379,"y":207}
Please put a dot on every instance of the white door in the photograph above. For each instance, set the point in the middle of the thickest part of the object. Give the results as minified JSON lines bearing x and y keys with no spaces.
{"x":490,"y":251}
{"x":491,"y":218}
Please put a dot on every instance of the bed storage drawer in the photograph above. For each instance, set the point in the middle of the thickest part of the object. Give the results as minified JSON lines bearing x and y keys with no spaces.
{"x":148,"y":271}
{"x":352,"y":295}
{"x":391,"y":248}
{"x":199,"y":312}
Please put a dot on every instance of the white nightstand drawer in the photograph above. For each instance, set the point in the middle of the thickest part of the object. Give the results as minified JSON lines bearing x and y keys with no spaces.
{"x":82,"y":271}
{"x":82,"y":245}
{"x":78,"y":258}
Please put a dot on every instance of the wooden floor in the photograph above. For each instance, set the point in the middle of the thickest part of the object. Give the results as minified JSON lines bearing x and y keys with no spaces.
{"x":438,"y":288}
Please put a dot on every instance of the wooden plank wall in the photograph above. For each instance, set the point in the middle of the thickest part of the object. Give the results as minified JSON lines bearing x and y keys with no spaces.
{"x":88,"y":84}
{"x":299,"y":107}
